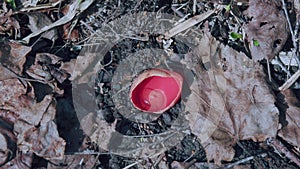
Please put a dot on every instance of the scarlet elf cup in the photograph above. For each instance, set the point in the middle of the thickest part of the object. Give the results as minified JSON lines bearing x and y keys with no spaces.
{"x":156,"y":90}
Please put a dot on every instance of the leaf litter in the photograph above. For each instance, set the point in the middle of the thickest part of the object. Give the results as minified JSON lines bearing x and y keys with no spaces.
{"x":230,"y":101}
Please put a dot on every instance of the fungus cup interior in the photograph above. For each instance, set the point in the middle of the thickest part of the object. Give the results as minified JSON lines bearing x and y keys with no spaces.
{"x":156,"y":93}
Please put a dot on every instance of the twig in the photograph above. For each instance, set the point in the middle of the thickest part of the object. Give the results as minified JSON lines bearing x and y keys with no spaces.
{"x":139,"y":161}
{"x":194,"y":6}
{"x":177,"y":12}
{"x":278,"y":146}
{"x":290,"y":81}
{"x":38,"y":7}
{"x":260,"y":165}
{"x":289,"y":23}
{"x":75,"y":8}
{"x":244,"y":160}
{"x":188,"y":23}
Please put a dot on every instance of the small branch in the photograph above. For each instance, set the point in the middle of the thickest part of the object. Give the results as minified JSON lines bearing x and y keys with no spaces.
{"x":244,"y":160}
{"x":289,"y":23}
{"x":278,"y":146}
{"x":290,"y":81}
{"x":188,"y":23}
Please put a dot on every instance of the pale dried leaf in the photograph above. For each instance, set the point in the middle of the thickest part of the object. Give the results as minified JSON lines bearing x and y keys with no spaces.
{"x":22,"y":160}
{"x":3,"y":149}
{"x":291,"y":131}
{"x":268,"y":26}
{"x":218,"y":152}
{"x":39,"y":20}
{"x":6,"y":73}
{"x":230,"y":99}
{"x":13,"y":56}
{"x":22,"y":105}
{"x":98,"y":129}
{"x":44,"y":141}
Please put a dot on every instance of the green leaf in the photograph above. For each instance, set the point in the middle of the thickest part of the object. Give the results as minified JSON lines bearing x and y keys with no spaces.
{"x":255,"y":42}
{"x":12,"y":3}
{"x":236,"y":35}
{"x":227,"y":7}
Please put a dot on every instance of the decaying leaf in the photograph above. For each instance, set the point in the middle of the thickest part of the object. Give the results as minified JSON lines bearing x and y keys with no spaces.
{"x":18,"y":106}
{"x":44,"y":68}
{"x":21,"y":104}
{"x":70,"y":33}
{"x":230,"y":99}
{"x":291,"y":131}
{"x":38,"y":21}
{"x":75,"y":8}
{"x":268,"y":27}
{"x":44,"y":141}
{"x":22,"y":160}
{"x":109,"y":139}
{"x":3,"y":149}
{"x":6,"y":73}
{"x":13,"y":56}
{"x":8,"y":24}
{"x":98,"y":129}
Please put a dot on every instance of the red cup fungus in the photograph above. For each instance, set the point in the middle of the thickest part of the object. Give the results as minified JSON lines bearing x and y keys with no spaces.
{"x":156,"y":90}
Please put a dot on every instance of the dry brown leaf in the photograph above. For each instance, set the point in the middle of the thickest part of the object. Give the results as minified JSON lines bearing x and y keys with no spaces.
{"x":6,"y":73}
{"x":16,"y":103}
{"x":43,"y":68}
{"x":13,"y":56}
{"x":44,"y":141}
{"x":22,"y":160}
{"x":70,"y":36}
{"x":3,"y":149}
{"x":230,"y":99}
{"x":75,"y":8}
{"x":218,"y":152}
{"x":8,"y":24}
{"x":268,"y":26}
{"x":291,"y":131}
{"x":38,"y":21}
{"x":98,"y":129}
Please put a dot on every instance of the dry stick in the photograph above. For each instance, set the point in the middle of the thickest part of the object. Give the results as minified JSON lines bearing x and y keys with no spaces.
{"x":289,"y":23}
{"x":290,"y":81}
{"x":254,"y":157}
{"x":277,"y":145}
{"x":194,"y":6}
{"x":244,"y":160}
{"x":188,"y":23}
{"x":75,"y":8}
{"x":177,"y":12}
